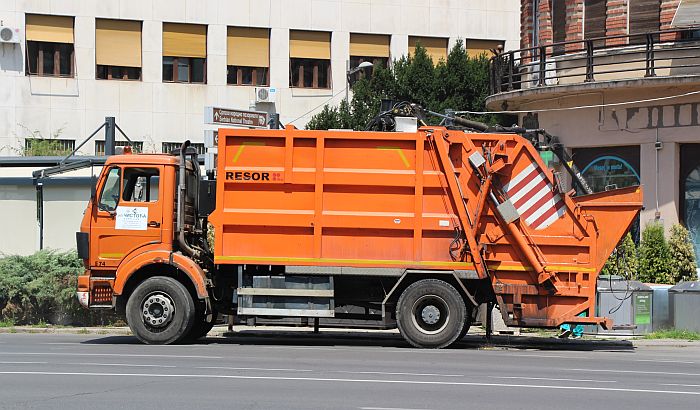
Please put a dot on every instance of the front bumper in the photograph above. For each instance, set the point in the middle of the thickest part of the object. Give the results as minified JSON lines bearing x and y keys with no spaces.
{"x":95,"y":291}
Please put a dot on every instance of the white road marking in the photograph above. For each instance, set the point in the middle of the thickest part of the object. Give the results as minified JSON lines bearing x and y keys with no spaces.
{"x":24,"y":362}
{"x":544,"y":355}
{"x":331,"y":371}
{"x":664,"y":361}
{"x":119,"y":364}
{"x":368,"y":381}
{"x":110,"y":354}
{"x":253,"y":368}
{"x":633,"y":371}
{"x":682,"y":385}
{"x":552,"y":379}
{"x":398,"y":374}
{"x":388,"y":408}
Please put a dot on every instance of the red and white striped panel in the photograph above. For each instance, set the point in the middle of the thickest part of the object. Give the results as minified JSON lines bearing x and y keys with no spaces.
{"x":534,"y":198}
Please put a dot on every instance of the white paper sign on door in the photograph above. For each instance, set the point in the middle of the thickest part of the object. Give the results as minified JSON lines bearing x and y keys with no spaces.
{"x":133,"y":218}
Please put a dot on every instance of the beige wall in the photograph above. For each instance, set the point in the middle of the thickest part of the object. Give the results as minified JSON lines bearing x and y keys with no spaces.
{"x":153,"y":111}
{"x":601,"y":127}
{"x":63,"y":211}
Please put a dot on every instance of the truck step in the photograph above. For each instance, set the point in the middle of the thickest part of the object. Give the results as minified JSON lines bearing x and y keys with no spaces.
{"x":285,"y":295}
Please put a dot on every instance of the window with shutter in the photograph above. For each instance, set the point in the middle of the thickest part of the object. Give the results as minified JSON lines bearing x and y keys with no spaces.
{"x":594,"y":23}
{"x":558,"y":25}
{"x":644,"y":17}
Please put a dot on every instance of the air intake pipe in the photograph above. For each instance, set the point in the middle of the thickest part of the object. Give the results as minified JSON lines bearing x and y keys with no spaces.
{"x":181,"y":195}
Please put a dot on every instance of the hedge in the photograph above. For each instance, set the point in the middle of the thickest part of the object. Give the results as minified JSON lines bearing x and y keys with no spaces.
{"x":40,"y":288}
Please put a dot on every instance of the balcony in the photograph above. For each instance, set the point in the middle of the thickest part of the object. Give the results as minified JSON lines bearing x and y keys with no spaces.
{"x":649,"y":60}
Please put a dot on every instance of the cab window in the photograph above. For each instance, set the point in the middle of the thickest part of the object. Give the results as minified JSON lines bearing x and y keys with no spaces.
{"x":140,"y":185}
{"x":109,"y":197}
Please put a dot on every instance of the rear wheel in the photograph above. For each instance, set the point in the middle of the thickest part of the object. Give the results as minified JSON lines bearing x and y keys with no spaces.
{"x":431,"y":313}
{"x":160,"y":311}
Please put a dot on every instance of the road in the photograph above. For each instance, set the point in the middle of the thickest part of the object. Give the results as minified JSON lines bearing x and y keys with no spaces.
{"x":340,"y":372}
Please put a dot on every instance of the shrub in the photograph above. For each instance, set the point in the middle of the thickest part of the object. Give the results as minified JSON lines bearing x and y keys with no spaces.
{"x":623,"y":261}
{"x":654,"y":256}
{"x":40,"y":288}
{"x":683,"y":263}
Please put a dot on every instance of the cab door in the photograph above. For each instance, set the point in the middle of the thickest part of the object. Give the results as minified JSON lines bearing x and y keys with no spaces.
{"x":128,"y":213}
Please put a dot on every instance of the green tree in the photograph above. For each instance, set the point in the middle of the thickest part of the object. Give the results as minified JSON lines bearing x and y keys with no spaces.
{"x":683,"y":263}
{"x":415,"y":78}
{"x":460,"y":83}
{"x":623,"y":261}
{"x":654,"y":255}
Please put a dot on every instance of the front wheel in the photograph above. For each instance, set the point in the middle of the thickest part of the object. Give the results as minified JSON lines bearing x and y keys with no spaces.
{"x":160,"y":311}
{"x":431,"y":313}
{"x":201,"y":327}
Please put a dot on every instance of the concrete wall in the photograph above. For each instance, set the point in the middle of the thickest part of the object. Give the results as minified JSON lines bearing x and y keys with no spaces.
{"x":152,"y":111}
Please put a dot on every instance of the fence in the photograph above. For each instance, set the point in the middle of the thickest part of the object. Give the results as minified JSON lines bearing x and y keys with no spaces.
{"x":623,"y":57}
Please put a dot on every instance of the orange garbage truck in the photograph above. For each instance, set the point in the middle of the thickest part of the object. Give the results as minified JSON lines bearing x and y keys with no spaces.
{"x":413,"y":230}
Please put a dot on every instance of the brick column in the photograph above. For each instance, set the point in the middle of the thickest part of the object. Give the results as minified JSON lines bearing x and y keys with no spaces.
{"x":526,"y":26}
{"x":668,"y":10}
{"x":616,"y":21}
{"x":545,"y":18}
{"x":574,"y":23}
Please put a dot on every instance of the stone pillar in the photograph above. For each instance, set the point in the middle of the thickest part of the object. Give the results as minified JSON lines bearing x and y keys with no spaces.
{"x":668,"y":182}
{"x":217,"y":38}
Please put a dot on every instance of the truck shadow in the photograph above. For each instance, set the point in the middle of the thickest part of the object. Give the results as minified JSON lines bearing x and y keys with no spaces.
{"x":358,"y":339}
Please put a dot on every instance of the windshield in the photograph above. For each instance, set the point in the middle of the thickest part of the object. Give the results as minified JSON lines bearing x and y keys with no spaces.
{"x":109,"y":197}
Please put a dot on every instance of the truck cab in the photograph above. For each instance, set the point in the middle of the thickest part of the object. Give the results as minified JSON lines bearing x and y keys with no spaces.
{"x":129,"y":238}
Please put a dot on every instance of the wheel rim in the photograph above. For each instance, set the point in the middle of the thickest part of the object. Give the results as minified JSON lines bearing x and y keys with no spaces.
{"x":430,"y":314}
{"x":157,"y":310}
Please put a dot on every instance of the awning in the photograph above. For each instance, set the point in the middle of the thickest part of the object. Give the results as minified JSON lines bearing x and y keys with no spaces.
{"x":118,"y":42}
{"x":369,"y":45}
{"x":52,"y":29}
{"x":310,"y":44}
{"x":435,"y":46}
{"x":248,"y":47}
{"x":184,"y":40}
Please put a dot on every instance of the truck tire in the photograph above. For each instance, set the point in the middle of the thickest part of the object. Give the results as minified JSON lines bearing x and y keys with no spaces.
{"x":201,"y":327}
{"x":431,"y":313}
{"x":160,"y":311}
{"x":465,"y":329}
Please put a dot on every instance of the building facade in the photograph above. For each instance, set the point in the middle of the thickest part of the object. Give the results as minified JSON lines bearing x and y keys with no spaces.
{"x":155,"y":64}
{"x":616,"y":81}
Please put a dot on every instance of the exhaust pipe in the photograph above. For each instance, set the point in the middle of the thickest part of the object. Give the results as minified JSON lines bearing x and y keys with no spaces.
{"x":181,"y":193}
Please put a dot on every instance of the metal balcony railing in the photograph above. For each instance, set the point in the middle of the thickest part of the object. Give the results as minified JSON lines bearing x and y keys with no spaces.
{"x":623,"y":57}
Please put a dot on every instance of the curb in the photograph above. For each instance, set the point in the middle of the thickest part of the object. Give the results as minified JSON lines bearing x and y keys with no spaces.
{"x":373,"y":337}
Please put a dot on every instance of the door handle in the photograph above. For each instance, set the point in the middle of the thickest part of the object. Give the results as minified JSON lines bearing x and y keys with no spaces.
{"x":154,"y":224}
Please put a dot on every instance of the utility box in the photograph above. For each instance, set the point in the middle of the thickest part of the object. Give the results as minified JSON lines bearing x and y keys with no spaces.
{"x":660,"y":312}
{"x":628,"y":303}
{"x":684,"y":306}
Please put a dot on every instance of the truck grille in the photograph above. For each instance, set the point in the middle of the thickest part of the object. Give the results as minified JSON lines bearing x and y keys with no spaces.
{"x":101,"y":295}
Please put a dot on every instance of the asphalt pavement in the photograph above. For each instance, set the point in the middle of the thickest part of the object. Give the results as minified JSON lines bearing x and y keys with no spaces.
{"x":342,"y":371}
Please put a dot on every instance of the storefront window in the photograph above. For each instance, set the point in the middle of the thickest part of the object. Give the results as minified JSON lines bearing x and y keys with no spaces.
{"x":689,"y":201}
{"x":610,"y":172}
{"x":691,"y":207}
{"x":610,"y":168}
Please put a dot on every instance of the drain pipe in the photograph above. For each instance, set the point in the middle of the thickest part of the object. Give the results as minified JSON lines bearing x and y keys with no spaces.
{"x":658,"y":145}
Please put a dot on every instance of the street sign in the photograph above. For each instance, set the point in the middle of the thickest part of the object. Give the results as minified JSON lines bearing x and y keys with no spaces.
{"x":241,"y":118}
